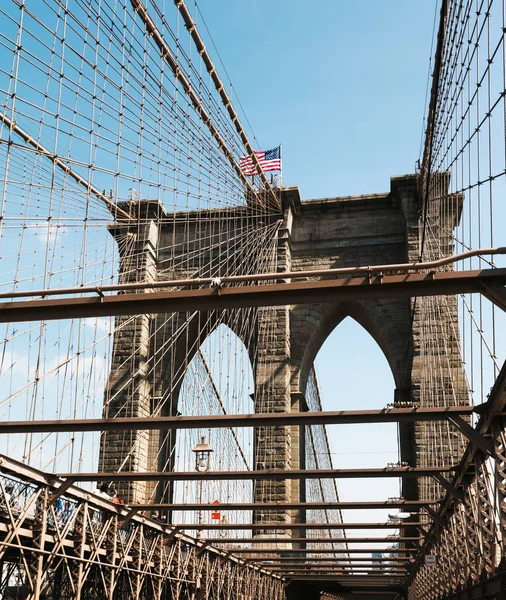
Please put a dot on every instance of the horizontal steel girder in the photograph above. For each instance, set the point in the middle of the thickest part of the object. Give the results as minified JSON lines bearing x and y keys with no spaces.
{"x":239,"y":526}
{"x":340,"y":551}
{"x":317,"y":572}
{"x":410,"y":504}
{"x":380,"y":586}
{"x":342,"y":417}
{"x":289,"y":540}
{"x":192,"y":282}
{"x":257,"y":475}
{"x":382,"y":583}
{"x":344,"y":569}
{"x":338,"y":561}
{"x":338,"y":572}
{"x":341,"y":567}
{"x":433,"y":283}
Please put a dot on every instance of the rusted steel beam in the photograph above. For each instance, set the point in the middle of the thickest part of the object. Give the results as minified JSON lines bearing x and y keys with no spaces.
{"x":449,"y":487}
{"x":333,"y":565}
{"x":339,"y":568}
{"x":400,"y":567}
{"x":258,"y":475}
{"x":474,"y":436}
{"x":275,"y":276}
{"x":358,"y":582}
{"x":289,"y":540}
{"x":341,"y":551}
{"x":435,"y":283}
{"x":412,"y":505}
{"x":238,"y":526}
{"x":339,"y":561}
{"x":395,"y":415}
{"x":317,"y":573}
{"x":496,"y":294}
{"x":62,"y":488}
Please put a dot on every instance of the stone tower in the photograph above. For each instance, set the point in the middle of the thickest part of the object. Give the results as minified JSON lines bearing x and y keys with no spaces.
{"x":316,"y":234}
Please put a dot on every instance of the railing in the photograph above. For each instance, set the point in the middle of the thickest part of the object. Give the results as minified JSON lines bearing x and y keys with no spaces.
{"x":468,"y":537}
{"x":78,"y":545}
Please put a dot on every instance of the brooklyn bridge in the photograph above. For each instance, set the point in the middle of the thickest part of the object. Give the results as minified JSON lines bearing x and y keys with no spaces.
{"x":163,"y":300}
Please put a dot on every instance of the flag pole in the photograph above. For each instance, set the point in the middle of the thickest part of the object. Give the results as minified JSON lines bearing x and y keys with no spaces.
{"x":280,"y":167}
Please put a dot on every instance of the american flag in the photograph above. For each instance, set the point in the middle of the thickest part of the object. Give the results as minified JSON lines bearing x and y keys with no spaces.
{"x":270,"y":160}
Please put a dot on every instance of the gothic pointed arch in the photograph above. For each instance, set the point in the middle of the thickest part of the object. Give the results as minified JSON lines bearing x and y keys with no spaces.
{"x":217,"y":379}
{"x":388,"y":324}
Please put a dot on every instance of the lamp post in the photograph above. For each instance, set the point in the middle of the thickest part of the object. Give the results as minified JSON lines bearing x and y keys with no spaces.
{"x":202,"y":464}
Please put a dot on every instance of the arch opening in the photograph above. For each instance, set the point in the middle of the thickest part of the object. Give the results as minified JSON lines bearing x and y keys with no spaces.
{"x":218,"y":380}
{"x":388,"y":324}
{"x":355,"y":374}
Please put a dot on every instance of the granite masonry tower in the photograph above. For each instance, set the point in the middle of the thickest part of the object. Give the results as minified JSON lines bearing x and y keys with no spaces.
{"x":316,"y":234}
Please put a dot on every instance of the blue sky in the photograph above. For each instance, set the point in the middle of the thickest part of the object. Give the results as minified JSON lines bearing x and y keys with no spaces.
{"x":340,"y":84}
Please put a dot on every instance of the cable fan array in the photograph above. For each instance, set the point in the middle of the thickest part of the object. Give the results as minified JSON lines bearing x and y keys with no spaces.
{"x":96,"y":125}
{"x":462,"y":183}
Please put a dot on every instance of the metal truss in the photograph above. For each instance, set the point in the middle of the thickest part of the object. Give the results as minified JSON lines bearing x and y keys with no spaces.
{"x":468,"y":539}
{"x":77,"y":545}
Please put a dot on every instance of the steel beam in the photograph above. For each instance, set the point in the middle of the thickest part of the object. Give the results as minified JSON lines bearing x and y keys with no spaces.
{"x":412,"y":505}
{"x":358,"y":583}
{"x":62,"y":488}
{"x":436,"y":283}
{"x":340,"y":551}
{"x":448,"y":486}
{"x":276,"y":276}
{"x":434,"y":516}
{"x":328,"y":566}
{"x":238,"y":526}
{"x":496,"y":294}
{"x":317,"y":572}
{"x":340,"y":561}
{"x":493,"y":587}
{"x":385,"y":415}
{"x":258,"y":475}
{"x":474,"y":436}
{"x":339,"y":569}
{"x":289,"y":540}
